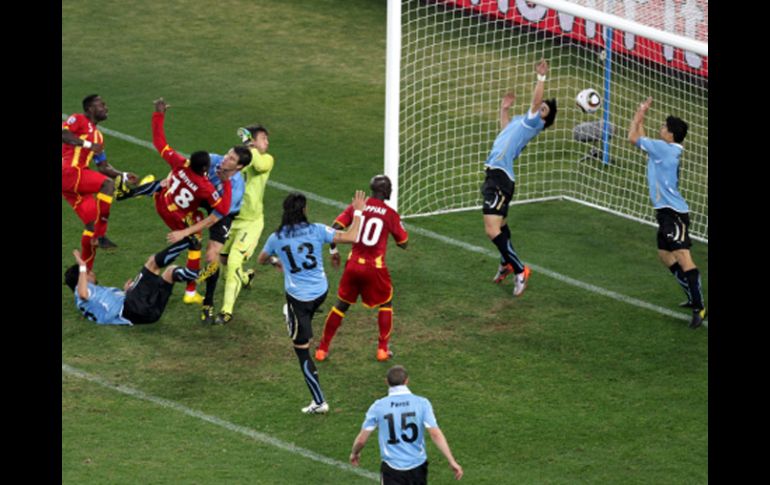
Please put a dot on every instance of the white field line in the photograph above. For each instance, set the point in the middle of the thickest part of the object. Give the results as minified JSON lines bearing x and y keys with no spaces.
{"x":454,"y":242}
{"x":256,"y":435}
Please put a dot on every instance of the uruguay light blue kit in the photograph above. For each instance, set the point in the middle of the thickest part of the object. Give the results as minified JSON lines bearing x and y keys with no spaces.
{"x":104,"y":305}
{"x":301,"y":255}
{"x":237,"y":185}
{"x":401,"y":418}
{"x":663,"y":173}
{"x":512,"y":140}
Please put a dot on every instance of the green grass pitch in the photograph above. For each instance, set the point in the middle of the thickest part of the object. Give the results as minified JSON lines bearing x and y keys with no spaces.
{"x":560,"y":386}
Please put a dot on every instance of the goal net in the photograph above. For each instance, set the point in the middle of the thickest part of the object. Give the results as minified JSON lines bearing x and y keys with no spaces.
{"x":457,"y":58}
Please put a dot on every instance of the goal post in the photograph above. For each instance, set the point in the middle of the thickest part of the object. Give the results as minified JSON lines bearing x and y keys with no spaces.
{"x":449,"y":63}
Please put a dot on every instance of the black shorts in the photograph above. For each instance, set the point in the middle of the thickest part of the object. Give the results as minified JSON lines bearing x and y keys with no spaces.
{"x":415,"y":476}
{"x":497,"y":192}
{"x":673,"y":230}
{"x":300,"y":317}
{"x":146,"y":298}
{"x":220,"y":231}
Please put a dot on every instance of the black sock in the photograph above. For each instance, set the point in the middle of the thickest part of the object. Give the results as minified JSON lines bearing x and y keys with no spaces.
{"x":676,"y":270}
{"x":211,"y":285}
{"x":507,"y":231}
{"x":507,"y":253}
{"x":165,"y":257}
{"x":310,"y":373}
{"x":693,"y":280}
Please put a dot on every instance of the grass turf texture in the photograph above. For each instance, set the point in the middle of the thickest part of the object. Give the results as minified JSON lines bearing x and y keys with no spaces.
{"x":559,"y":386}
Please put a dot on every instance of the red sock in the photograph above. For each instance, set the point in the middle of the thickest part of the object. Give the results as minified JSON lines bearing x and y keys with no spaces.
{"x":87,"y":248}
{"x":385,"y":322}
{"x":333,"y":322}
{"x":103,"y":205}
{"x":194,"y":264}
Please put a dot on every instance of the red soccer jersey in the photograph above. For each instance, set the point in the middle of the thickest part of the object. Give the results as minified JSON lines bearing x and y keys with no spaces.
{"x":80,"y":126}
{"x":379,"y":221}
{"x":185,"y":189}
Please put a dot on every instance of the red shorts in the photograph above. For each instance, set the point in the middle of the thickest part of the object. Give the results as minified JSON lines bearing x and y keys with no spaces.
{"x":175,"y":220}
{"x":78,"y":186}
{"x":373,"y":284}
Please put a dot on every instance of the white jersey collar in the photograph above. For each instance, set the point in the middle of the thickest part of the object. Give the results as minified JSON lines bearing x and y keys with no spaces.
{"x":397,"y":390}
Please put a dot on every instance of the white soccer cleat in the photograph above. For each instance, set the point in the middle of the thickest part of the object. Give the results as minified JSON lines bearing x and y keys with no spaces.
{"x":314,"y":408}
{"x":520,"y":281}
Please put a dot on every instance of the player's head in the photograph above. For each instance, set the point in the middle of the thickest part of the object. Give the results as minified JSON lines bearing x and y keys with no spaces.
{"x":675,"y":128}
{"x":548,"y":111}
{"x":200,"y":162}
{"x":72,"y":275}
{"x":294,"y":211}
{"x":255,"y":136}
{"x":238,"y":157}
{"x":397,"y":376}
{"x":95,"y":107}
{"x":381,"y":187}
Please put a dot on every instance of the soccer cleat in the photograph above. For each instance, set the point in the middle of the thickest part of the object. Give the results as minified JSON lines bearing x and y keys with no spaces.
{"x":250,"y":273}
{"x":194,"y":299}
{"x":314,"y":408}
{"x":697,"y":318}
{"x":121,"y":187}
{"x":207,"y":315}
{"x":321,"y":355}
{"x":383,"y":355}
{"x":223,"y":318}
{"x":520,"y":282}
{"x":147,"y":179}
{"x":502,"y":272}
{"x":105,"y":243}
{"x":686,"y":304}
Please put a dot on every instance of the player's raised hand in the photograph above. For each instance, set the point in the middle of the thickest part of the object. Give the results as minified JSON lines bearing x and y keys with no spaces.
{"x":359,"y":200}
{"x":508,"y":100}
{"x":645,"y":105}
{"x":160,"y":105}
{"x":542,"y":67}
{"x":78,"y":258}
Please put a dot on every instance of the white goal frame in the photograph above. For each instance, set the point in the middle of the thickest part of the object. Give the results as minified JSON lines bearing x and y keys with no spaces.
{"x":607,"y":20}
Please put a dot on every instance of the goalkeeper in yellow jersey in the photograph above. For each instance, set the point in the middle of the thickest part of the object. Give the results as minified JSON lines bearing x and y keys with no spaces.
{"x":248,"y":225}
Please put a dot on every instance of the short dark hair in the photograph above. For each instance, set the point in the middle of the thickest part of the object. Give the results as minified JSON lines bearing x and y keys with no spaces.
{"x":551,"y":112}
{"x":397,"y":376}
{"x":256,"y":128}
{"x":200,"y":162}
{"x":88,"y":100}
{"x":677,"y":127}
{"x":71,"y":276}
{"x":381,"y":184}
{"x":244,"y":155}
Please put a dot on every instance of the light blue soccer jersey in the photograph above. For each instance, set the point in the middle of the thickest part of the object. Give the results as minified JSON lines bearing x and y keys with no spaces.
{"x":104,"y":305}
{"x":237,"y":185}
{"x":512,"y":140}
{"x":663,"y":173}
{"x":402,"y":418}
{"x":301,"y":254}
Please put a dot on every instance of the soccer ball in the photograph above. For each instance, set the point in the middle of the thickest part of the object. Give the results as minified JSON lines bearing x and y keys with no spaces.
{"x":588,"y":100}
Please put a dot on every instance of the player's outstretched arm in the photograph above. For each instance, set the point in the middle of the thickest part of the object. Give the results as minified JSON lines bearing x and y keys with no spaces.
{"x":441,"y":443}
{"x":82,"y":287}
{"x":351,"y":235}
{"x":159,"y":135}
{"x":636,"y":129}
{"x":537,"y":95}
{"x":358,"y":445}
{"x":505,"y":106}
